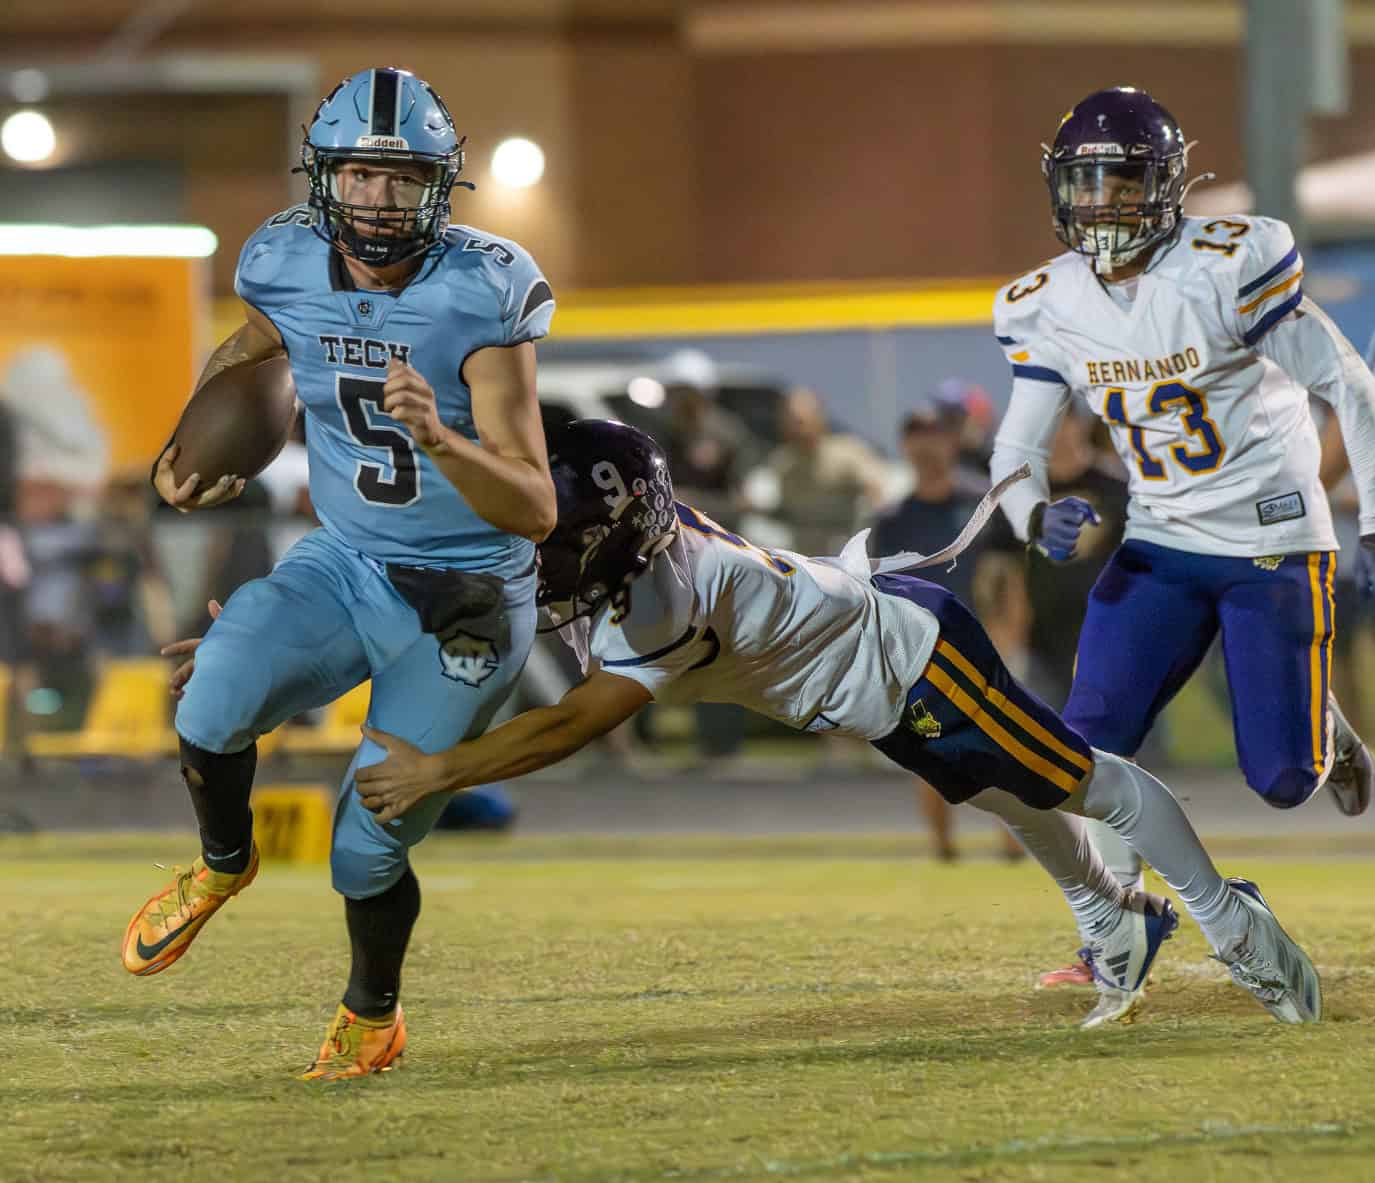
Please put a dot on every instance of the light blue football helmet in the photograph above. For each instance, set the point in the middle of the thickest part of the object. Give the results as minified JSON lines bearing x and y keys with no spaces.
{"x":387,"y":116}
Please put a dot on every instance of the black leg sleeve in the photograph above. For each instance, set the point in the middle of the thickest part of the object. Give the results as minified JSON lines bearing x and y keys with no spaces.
{"x":379,"y":930}
{"x":219,"y":785}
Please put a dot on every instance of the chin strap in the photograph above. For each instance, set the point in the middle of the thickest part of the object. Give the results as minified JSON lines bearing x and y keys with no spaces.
{"x":1198,"y":180}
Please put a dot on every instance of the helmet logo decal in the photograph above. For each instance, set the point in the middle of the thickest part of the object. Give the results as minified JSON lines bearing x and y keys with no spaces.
{"x":398,"y":143}
{"x":1099,"y":150}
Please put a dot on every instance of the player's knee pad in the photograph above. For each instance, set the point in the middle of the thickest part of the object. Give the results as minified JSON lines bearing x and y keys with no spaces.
{"x":1287,"y":788}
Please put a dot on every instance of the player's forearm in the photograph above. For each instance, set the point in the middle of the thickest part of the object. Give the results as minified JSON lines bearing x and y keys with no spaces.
{"x":1033,"y":413}
{"x":255,"y":340}
{"x":511,"y":493}
{"x":527,"y":743}
{"x":1022,"y":498}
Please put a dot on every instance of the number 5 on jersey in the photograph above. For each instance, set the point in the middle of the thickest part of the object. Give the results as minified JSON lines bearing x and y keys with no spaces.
{"x":374,"y":485}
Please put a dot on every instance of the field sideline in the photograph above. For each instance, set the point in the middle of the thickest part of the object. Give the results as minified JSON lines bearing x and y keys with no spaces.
{"x":699,"y":1009}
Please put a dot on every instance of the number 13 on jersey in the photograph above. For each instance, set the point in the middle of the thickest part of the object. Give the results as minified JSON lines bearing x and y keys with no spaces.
{"x":1202,"y":457}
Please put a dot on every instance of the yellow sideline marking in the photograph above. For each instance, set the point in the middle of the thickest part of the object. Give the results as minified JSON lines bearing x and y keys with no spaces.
{"x":293,"y":823}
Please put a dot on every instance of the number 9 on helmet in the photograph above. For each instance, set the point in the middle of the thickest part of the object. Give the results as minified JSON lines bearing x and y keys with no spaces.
{"x":616,"y":512}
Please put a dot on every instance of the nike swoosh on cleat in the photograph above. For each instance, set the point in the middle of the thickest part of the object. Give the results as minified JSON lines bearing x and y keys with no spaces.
{"x":148,"y":952}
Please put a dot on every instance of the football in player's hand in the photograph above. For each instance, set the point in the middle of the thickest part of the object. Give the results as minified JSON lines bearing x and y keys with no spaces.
{"x":237,"y":422}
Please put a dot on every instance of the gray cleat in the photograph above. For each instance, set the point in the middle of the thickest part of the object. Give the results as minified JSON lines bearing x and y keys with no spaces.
{"x":1268,"y":963}
{"x":1353,"y":771}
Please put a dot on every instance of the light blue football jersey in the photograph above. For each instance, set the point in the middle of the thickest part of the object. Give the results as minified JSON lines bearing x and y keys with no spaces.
{"x":370,"y":483}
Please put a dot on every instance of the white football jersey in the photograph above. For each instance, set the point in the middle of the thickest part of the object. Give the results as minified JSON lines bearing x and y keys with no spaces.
{"x":1217,"y":437}
{"x":717,"y":619}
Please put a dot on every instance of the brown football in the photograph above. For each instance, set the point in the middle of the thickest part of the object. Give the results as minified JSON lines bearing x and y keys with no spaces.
{"x":237,"y":422}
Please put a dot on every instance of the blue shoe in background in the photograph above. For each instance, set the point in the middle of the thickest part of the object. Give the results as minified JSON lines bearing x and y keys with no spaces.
{"x":486,"y":807}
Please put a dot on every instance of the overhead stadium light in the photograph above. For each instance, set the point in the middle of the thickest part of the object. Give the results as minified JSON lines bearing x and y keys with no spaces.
{"x":518,"y":163}
{"x":28,"y":137}
{"x":85,"y":242}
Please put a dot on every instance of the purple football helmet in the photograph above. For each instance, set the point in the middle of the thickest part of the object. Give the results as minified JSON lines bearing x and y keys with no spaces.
{"x":616,"y":512}
{"x":1116,"y":174}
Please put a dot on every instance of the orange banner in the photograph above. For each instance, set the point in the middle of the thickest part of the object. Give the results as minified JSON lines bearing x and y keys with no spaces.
{"x":97,"y":357}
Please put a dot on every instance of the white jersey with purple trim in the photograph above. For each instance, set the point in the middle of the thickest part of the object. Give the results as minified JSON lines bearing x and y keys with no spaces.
{"x":1207,"y":403}
{"x":717,"y":619}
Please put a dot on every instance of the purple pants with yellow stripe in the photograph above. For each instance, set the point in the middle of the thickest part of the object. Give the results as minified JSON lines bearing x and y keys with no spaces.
{"x":1152,"y":616}
{"x":970,"y":725}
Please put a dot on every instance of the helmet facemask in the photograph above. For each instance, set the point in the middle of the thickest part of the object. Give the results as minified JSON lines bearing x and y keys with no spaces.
{"x":382,"y":235}
{"x":1113,"y":207}
{"x":580,"y":568}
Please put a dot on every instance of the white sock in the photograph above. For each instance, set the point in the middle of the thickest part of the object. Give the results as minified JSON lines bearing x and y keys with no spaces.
{"x":1124,"y":863}
{"x":1144,"y":813}
{"x":1059,"y":842}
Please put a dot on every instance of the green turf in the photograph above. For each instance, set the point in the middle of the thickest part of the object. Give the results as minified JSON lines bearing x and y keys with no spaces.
{"x":812,"y":1009}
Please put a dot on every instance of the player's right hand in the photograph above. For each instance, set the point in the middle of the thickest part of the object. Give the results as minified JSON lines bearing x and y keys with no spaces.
{"x":182,"y":674}
{"x":184,"y":497}
{"x":1061,"y":524}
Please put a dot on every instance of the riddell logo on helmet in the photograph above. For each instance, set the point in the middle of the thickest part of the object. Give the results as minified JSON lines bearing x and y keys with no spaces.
{"x":393,"y":142}
{"x":1099,"y":150}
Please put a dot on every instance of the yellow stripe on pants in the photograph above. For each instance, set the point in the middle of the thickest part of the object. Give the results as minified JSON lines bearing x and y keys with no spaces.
{"x":990,"y":727}
{"x":1010,"y":708}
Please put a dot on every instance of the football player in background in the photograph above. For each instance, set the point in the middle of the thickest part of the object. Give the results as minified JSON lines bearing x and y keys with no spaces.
{"x":411,"y":347}
{"x":660,"y":603}
{"x":1193,"y":340}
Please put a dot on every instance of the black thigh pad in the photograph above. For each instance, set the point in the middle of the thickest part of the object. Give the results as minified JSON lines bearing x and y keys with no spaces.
{"x":446,"y":599}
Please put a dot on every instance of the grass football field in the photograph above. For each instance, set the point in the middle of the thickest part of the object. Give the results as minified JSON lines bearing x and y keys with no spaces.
{"x":690,"y":1009}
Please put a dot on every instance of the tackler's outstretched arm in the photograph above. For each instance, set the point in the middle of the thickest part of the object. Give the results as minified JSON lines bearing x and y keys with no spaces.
{"x":527,"y":743}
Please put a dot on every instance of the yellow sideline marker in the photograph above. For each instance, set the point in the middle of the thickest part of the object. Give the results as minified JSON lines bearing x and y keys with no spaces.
{"x":293,"y":823}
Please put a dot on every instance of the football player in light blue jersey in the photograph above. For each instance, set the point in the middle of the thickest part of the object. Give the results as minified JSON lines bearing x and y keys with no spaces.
{"x":411,"y":347}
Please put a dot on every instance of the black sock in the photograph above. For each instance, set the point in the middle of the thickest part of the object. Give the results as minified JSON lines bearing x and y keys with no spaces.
{"x":219,"y":784}
{"x":379,"y":928}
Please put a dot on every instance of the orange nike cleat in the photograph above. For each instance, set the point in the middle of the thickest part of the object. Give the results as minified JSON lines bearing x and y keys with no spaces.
{"x":163,"y":929}
{"x":356,"y":1047}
